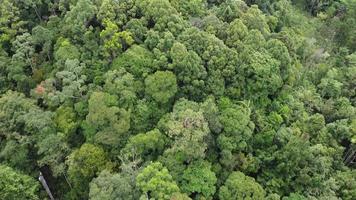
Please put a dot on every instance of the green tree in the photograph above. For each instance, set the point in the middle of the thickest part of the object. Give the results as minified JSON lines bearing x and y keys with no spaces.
{"x":22,"y":124}
{"x":314,"y":7}
{"x":346,"y":183}
{"x":161,"y":86}
{"x":280,"y":52}
{"x":345,"y":34}
{"x":16,"y":154}
{"x":180,"y":196}
{"x":44,"y":37}
{"x":108,"y":186}
{"x":124,"y":85}
{"x":211,"y":114}
{"x":156,"y":182}
{"x":262,"y":75}
{"x":84,"y":164}
{"x":189,"y":8}
{"x":138,"y":28}
{"x":140,"y":66}
{"x":65,"y":50}
{"x":13,"y":106}
{"x":145,"y":115}
{"x":15,"y":185}
{"x":66,"y":121}
{"x":294,"y":196}
{"x":255,"y":19}
{"x":236,"y":33}
{"x":4,"y":62}
{"x":11,"y":23}
{"x":198,"y":178}
{"x":72,"y":80}
{"x":329,"y":86}
{"x":52,"y":151}
{"x":230,"y":10}
{"x":210,"y":89}
{"x":237,"y":132}
{"x":24,"y":49}
{"x":164,"y":16}
{"x":308,"y":166}
{"x":76,"y":21}
{"x":113,"y":40}
{"x":22,"y":62}
{"x":107,"y":10}
{"x":220,"y":61}
{"x":106,"y":123}
{"x":189,"y":70}
{"x":148,"y":145}
{"x":187,"y":129}
{"x":239,"y":186}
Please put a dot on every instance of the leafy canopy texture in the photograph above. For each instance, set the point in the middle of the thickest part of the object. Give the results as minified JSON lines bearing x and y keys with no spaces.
{"x":161,"y":86}
{"x":239,"y":186}
{"x":178,"y":99}
{"x":156,"y":182}
{"x":16,"y":185}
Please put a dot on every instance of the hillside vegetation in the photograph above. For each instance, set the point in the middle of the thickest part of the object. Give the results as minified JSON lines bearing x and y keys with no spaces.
{"x":178,"y":99}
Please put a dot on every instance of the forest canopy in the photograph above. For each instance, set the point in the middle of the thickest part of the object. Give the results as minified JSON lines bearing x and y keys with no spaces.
{"x":178,"y":99}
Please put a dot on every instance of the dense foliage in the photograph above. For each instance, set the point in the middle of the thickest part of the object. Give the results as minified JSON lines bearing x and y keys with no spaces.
{"x":178,"y":99}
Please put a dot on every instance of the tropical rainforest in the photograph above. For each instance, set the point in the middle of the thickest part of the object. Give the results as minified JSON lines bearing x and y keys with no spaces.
{"x":178,"y":99}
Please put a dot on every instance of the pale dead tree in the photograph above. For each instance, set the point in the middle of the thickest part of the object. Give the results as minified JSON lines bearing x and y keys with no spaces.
{"x":44,"y":184}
